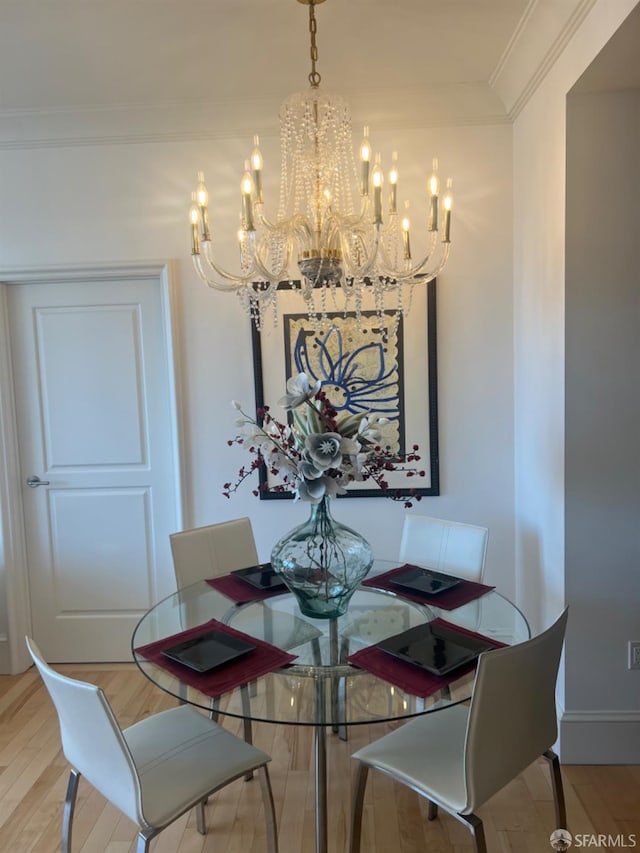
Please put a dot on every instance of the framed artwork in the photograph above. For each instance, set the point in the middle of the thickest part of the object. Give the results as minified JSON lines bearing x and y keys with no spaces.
{"x":360,"y":371}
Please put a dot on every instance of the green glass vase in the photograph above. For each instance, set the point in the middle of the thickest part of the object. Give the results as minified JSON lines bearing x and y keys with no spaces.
{"x":322,"y":562}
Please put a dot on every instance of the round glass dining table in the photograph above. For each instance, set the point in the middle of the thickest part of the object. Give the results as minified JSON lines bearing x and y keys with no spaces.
{"x":320,"y":687}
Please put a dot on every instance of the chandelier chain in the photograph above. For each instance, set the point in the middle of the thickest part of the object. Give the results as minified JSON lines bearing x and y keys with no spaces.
{"x":314,"y":76}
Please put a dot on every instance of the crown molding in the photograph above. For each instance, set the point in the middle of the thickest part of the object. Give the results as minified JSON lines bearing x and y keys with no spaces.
{"x":544,"y":31}
{"x":125,"y":124}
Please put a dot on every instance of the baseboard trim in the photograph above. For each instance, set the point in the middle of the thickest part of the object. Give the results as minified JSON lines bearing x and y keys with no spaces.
{"x":600,"y":737}
{"x":5,"y":665}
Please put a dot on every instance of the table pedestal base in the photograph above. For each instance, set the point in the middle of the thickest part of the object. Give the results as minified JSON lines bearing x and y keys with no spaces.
{"x":320,"y":772}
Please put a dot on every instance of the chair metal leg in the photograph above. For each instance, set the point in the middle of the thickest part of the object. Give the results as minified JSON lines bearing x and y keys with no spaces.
{"x":144,"y":840}
{"x":432,"y":814}
{"x":269,"y":809}
{"x":246,"y":720}
{"x":356,"y":808}
{"x":476,"y":828}
{"x":342,"y":691}
{"x":558,"y":789}
{"x":69,"y":807}
{"x":201,"y":823}
{"x":342,"y":708}
{"x":214,"y":709}
{"x":316,"y":653}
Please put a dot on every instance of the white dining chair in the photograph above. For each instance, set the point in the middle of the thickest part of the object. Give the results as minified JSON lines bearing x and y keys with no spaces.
{"x":460,"y":756}
{"x":451,"y":547}
{"x":153,"y":771}
{"x":208,"y":552}
{"x":215,"y":550}
{"x":446,"y":546}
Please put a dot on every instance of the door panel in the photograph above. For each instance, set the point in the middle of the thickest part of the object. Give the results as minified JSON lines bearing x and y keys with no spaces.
{"x":94,"y":405}
{"x":91,"y":571}
{"x":90,"y":363}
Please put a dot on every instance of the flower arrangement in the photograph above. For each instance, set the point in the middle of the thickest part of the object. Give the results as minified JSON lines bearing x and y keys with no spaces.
{"x":322,"y":451}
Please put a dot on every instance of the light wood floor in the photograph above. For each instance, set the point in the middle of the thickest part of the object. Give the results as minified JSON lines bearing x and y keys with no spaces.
{"x":33,"y":777}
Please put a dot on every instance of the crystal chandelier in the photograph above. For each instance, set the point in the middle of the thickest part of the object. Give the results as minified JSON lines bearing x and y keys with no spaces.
{"x":337,"y":257}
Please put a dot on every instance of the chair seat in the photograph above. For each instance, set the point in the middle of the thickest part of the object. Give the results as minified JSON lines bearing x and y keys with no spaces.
{"x":196,"y":754}
{"x":427,"y":755}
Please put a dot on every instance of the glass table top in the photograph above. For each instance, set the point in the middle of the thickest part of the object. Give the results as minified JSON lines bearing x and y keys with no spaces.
{"x":321,"y":687}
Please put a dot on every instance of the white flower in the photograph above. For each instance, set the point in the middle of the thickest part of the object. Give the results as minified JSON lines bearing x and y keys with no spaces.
{"x":236,"y":405}
{"x":353,"y":468}
{"x":307,"y":469}
{"x":369,"y":429}
{"x":349,"y":447}
{"x":333,"y":486}
{"x":324,"y":449}
{"x":312,"y":490}
{"x":298,"y":391}
{"x":254,"y":436}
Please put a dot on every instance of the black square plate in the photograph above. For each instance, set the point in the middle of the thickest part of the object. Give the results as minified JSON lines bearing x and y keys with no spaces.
{"x":208,"y":651}
{"x":426,"y":581}
{"x":437,"y":648}
{"x":262,"y":577}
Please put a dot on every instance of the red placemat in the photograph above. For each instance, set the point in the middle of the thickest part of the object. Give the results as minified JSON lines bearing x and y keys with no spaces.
{"x":450,"y":599}
{"x":408,"y":676}
{"x":240,"y":591}
{"x":263,"y":659}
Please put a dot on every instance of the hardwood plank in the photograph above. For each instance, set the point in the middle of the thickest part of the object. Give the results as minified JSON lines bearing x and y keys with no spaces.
{"x":34,"y":773}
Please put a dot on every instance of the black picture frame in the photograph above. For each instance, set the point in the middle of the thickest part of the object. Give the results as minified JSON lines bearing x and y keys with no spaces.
{"x":270,"y":356}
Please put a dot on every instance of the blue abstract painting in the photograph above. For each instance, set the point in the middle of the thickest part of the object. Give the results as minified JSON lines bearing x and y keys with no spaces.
{"x":358,"y":370}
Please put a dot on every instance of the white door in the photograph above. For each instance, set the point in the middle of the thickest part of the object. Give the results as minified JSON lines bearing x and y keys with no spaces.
{"x":94,"y":398}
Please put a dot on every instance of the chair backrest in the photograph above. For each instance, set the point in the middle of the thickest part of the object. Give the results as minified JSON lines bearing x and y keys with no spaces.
{"x":447,"y":546}
{"x":206,"y":552}
{"x":92,"y":740}
{"x":512,"y":718}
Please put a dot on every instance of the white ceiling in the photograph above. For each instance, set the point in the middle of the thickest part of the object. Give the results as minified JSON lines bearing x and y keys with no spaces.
{"x":96,"y":70}
{"x":86,"y":53}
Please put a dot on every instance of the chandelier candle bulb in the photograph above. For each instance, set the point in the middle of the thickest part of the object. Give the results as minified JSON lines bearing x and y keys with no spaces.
{"x":377,"y":179}
{"x":405,"y":238}
{"x":393,"y":183}
{"x":246,"y":188}
{"x":202,"y":199}
{"x":242,"y":236}
{"x":365,"y":158}
{"x":434,"y":189}
{"x":256,"y":167}
{"x":447,"y":204}
{"x":194,"y":219}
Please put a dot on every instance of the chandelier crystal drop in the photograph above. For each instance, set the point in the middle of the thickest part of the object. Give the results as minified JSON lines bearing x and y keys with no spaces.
{"x":339,"y":256}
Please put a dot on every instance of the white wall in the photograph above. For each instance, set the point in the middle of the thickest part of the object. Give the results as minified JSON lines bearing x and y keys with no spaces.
{"x":602,"y":422}
{"x":539,"y":327}
{"x":119,"y":203}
